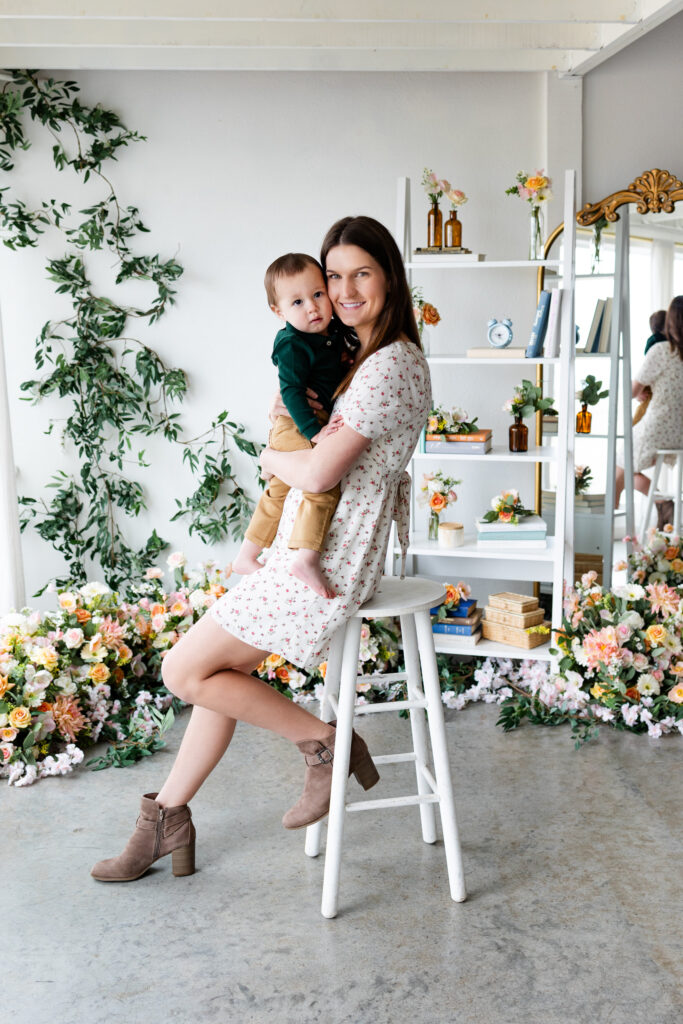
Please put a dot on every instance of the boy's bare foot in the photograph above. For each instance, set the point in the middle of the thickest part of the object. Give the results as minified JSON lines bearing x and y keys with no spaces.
{"x":247,"y":558}
{"x":306,"y":567}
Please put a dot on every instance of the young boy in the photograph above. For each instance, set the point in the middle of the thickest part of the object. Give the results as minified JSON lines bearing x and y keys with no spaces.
{"x":308,"y":352}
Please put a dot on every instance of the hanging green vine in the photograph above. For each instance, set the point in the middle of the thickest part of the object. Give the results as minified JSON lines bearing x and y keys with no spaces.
{"x":119,"y":388}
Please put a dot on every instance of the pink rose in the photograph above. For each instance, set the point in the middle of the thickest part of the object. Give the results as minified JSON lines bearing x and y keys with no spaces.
{"x":640,"y":662}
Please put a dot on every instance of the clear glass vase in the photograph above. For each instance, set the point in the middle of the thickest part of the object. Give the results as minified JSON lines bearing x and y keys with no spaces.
{"x":536,"y":233}
{"x":433,"y":531}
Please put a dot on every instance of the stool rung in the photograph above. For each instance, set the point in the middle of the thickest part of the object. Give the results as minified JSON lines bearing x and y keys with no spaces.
{"x":428,"y":777}
{"x":395,"y":758}
{"x":386,"y":677}
{"x":392,"y":801}
{"x":391,"y":705}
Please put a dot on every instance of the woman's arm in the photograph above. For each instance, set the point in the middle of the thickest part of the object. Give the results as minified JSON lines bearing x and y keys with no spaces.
{"x":639,"y":390}
{"x":320,"y":468}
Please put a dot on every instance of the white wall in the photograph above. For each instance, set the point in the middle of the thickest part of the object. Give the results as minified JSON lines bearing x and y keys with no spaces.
{"x":240,"y":167}
{"x":632,"y":113}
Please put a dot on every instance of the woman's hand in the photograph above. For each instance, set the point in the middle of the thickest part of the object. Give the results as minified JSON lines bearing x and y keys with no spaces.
{"x":265,"y":474}
{"x":335,"y":424}
{"x":278,"y":408}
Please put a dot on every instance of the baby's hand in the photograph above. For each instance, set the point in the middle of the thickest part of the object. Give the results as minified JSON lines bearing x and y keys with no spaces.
{"x":330,"y":428}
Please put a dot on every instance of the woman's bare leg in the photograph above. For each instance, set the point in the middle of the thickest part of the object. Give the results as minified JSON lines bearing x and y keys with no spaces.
{"x":210,"y":669}
{"x":640,"y":482}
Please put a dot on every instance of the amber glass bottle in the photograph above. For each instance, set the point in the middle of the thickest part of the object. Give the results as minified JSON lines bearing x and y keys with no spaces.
{"x":434,"y":226}
{"x":453,"y":231}
{"x":583,"y":420}
{"x":519,"y":436}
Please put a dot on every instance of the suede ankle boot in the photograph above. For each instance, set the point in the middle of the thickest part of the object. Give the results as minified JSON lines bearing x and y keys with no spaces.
{"x":665,"y":513}
{"x":314,"y":802}
{"x":158,"y":831}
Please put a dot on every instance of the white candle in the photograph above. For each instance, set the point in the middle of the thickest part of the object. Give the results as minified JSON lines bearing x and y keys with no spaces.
{"x":451,"y":535}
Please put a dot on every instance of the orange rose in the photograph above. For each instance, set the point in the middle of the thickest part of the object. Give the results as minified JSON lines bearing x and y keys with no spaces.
{"x":20,"y":718}
{"x":45,"y":706}
{"x":633,"y":694}
{"x":82,"y":614}
{"x":437,"y":502}
{"x":99,"y":673}
{"x":158,"y":609}
{"x":671,"y":552}
{"x":430,"y":314}
{"x":538,"y":181}
{"x":655,"y":635}
{"x":452,"y":594}
{"x":282,"y":674}
{"x":322,"y":668}
{"x":216,"y":589}
{"x":677,"y":564}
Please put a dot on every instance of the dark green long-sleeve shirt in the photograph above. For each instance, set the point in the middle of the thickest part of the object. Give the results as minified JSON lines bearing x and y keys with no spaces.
{"x":308,"y":361}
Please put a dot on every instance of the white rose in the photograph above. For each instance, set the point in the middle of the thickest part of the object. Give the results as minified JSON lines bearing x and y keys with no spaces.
{"x":73,"y":638}
{"x":176,"y":561}
{"x":92,"y":590}
{"x":197,"y":599}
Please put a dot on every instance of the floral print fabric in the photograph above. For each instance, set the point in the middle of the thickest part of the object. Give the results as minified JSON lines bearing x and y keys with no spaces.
{"x":388,"y":402}
{"x":662,"y":424}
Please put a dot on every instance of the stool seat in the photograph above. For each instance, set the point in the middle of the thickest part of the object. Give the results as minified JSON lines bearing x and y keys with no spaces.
{"x":409,"y":600}
{"x":393,"y":597}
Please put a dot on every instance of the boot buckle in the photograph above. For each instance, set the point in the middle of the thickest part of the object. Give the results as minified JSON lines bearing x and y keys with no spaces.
{"x":322,"y":759}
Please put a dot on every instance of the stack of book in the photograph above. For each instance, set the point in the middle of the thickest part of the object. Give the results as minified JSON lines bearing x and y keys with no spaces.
{"x":510,"y":617}
{"x":529,"y":532}
{"x":432,"y":254}
{"x":463,"y":622}
{"x":476,"y":443}
{"x":598,"y":340}
{"x":584,"y":504}
{"x":545,"y":330}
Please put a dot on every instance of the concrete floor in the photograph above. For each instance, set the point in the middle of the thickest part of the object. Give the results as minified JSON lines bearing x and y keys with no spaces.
{"x":572,"y":860}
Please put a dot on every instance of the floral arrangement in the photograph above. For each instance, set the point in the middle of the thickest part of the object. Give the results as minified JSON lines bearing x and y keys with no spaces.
{"x":583,"y":478}
{"x":450,"y":421}
{"x":507,"y":507}
{"x":425,"y":312}
{"x":658,"y":561}
{"x":91,"y":670}
{"x":534,"y":188}
{"x":455,"y":593}
{"x":528,"y":399}
{"x":437,"y":492}
{"x":433,"y":186}
{"x":589,"y":393}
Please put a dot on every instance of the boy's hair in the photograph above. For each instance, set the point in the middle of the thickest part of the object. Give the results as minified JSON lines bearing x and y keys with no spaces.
{"x":286,"y":266}
{"x":657,"y":321}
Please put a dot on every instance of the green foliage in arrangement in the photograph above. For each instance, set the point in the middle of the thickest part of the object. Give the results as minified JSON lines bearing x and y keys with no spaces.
{"x":590,"y":393}
{"x":120,"y":389}
{"x":527,"y":400}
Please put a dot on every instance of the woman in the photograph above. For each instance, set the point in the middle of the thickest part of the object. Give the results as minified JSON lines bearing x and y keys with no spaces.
{"x":384,"y":402}
{"x":662,"y":424}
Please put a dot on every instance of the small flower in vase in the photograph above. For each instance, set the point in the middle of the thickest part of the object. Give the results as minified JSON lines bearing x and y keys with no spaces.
{"x":437,"y":492}
{"x":527,"y":399}
{"x":583,"y":478}
{"x":507,"y":507}
{"x":535,"y":189}
{"x":453,"y":227}
{"x":435,"y":188}
{"x":425,"y":313}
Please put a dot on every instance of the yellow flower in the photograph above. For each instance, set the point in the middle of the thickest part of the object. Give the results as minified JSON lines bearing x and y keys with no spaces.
{"x":598,"y":691}
{"x":20,"y":717}
{"x":536,"y":182}
{"x":655,"y":635}
{"x":46,"y":656}
{"x":5,"y":685}
{"x":677,"y":564}
{"x":274,"y":661}
{"x":99,"y":673}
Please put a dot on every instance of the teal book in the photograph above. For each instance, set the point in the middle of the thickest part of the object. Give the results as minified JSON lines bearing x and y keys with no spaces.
{"x":535,"y":347}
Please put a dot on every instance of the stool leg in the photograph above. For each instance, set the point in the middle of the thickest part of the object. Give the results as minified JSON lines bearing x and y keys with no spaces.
{"x":418,"y":725}
{"x":677,"y":494}
{"x":331,"y":687}
{"x":340,"y":769}
{"x":442,"y":770}
{"x":651,"y":497}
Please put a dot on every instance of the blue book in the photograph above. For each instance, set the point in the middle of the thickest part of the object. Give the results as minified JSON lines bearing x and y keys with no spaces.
{"x":535,"y":347}
{"x":454,"y":629}
{"x":462,"y":609}
{"x":503,"y":538}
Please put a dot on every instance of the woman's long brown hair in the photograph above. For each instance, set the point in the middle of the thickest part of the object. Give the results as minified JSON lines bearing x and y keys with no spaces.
{"x":397,"y":318}
{"x":673,"y":326}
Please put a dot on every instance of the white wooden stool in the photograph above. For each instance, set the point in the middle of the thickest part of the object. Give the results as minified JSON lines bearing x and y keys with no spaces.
{"x":410,"y":599}
{"x":678,"y":487}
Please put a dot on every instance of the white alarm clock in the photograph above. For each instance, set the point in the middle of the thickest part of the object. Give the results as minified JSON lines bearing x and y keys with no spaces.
{"x":499,"y":332}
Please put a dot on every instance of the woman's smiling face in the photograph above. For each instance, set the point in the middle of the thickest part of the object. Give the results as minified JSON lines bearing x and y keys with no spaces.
{"x":357,"y":287}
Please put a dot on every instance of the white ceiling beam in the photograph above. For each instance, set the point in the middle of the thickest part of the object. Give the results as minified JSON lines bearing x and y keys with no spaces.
{"x":287,"y":35}
{"x":532,"y":11}
{"x":262,"y":59}
{"x":653,"y":13}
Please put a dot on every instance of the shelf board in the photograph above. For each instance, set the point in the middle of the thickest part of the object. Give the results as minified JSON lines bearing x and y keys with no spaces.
{"x":493,"y":361}
{"x":490,"y":649}
{"x":498,"y":453}
{"x":420,"y":545}
{"x":479,"y":264}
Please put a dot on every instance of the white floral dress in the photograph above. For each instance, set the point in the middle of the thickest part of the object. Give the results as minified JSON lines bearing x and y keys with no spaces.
{"x":388,"y":402}
{"x":662,"y":424}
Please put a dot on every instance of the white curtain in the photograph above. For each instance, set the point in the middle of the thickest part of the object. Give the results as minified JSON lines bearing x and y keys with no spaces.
{"x":661,"y":274}
{"x":12,"y":592}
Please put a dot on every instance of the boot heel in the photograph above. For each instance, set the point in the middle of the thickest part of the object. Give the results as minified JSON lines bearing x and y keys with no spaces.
{"x":366,"y":774}
{"x":182,"y":860}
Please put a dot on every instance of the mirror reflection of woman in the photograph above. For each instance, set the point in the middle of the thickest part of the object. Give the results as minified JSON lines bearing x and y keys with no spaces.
{"x":660,"y":375}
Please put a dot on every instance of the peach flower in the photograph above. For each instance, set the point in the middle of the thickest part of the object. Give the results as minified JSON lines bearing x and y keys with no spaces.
{"x":5,"y":685}
{"x":437,"y":502}
{"x":655,"y":635}
{"x":99,"y":673}
{"x":675,"y":694}
{"x":67,"y":714}
{"x":83,"y":615}
{"x":20,"y":717}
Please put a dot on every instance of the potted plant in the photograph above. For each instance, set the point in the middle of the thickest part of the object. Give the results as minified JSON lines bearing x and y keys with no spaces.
{"x":588,"y":394}
{"x":527,"y":399}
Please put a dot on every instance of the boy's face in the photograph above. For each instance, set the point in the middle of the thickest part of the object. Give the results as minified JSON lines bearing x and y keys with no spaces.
{"x":303,"y":301}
